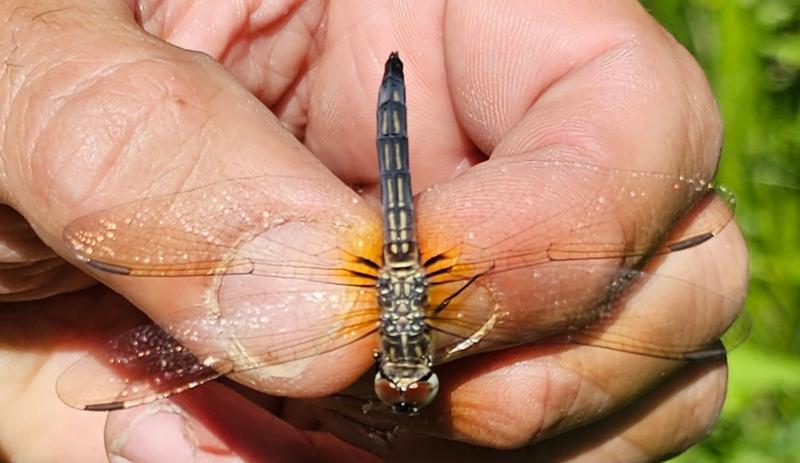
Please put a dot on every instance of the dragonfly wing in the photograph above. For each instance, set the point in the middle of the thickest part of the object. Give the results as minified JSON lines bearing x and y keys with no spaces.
{"x":298,"y":279}
{"x":640,"y":313}
{"x":151,"y":362}
{"x":238,"y":226}
{"x":606,"y":214}
{"x":552,"y":261}
{"x":716,"y":204}
{"x":136,"y":367}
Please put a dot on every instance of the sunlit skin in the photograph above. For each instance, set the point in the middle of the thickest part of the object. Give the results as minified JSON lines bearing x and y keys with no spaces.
{"x":97,"y":114}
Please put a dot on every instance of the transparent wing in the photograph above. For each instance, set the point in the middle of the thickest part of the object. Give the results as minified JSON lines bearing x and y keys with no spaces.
{"x":560,"y":276}
{"x":678,"y":320}
{"x":604,"y":214}
{"x":149,"y":363}
{"x":242,"y":226}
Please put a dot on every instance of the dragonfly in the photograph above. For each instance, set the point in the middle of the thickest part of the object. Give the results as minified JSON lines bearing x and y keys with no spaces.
{"x":425,"y":292}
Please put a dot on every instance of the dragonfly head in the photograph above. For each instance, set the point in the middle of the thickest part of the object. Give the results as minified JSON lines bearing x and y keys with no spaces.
{"x":406,"y":388}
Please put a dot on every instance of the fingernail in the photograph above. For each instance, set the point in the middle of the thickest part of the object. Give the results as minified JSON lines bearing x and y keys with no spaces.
{"x":156,"y":434}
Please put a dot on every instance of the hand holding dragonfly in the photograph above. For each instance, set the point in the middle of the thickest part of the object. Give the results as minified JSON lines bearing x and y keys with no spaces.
{"x":596,"y":155}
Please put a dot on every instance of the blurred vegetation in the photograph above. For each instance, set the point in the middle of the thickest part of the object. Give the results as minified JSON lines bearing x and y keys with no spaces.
{"x":750,"y":50}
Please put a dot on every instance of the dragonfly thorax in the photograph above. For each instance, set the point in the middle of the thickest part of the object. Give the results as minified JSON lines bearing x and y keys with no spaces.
{"x":404,"y":379}
{"x":398,"y":287}
{"x":402,"y":297}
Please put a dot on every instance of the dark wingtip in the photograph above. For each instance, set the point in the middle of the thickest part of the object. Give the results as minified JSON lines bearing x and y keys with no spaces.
{"x":108,"y":267}
{"x":105,"y":407}
{"x":393,"y":65}
{"x":690,"y":242}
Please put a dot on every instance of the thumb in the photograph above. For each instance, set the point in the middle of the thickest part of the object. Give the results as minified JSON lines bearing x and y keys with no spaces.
{"x":145,"y":161}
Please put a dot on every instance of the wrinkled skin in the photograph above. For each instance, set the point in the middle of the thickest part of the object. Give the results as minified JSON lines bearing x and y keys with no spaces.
{"x":99,"y":110}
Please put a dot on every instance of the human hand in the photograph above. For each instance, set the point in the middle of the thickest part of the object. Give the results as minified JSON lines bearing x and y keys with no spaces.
{"x":162,"y":134}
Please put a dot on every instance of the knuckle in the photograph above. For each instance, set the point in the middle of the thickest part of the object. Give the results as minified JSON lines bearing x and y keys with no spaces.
{"x":84,"y":127}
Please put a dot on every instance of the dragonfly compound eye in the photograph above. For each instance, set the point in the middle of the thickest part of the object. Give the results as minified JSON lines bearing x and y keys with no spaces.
{"x":407,"y":399}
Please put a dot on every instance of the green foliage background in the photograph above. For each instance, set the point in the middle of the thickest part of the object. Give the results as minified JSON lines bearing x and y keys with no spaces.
{"x":750,"y":50}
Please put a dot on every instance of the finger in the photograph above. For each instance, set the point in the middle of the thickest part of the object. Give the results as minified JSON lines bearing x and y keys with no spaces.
{"x":216,"y":424}
{"x":602,"y":81}
{"x":666,"y":421}
{"x":269,"y":64}
{"x":359,"y":37}
{"x":565,"y":104}
{"x":132,"y":118}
